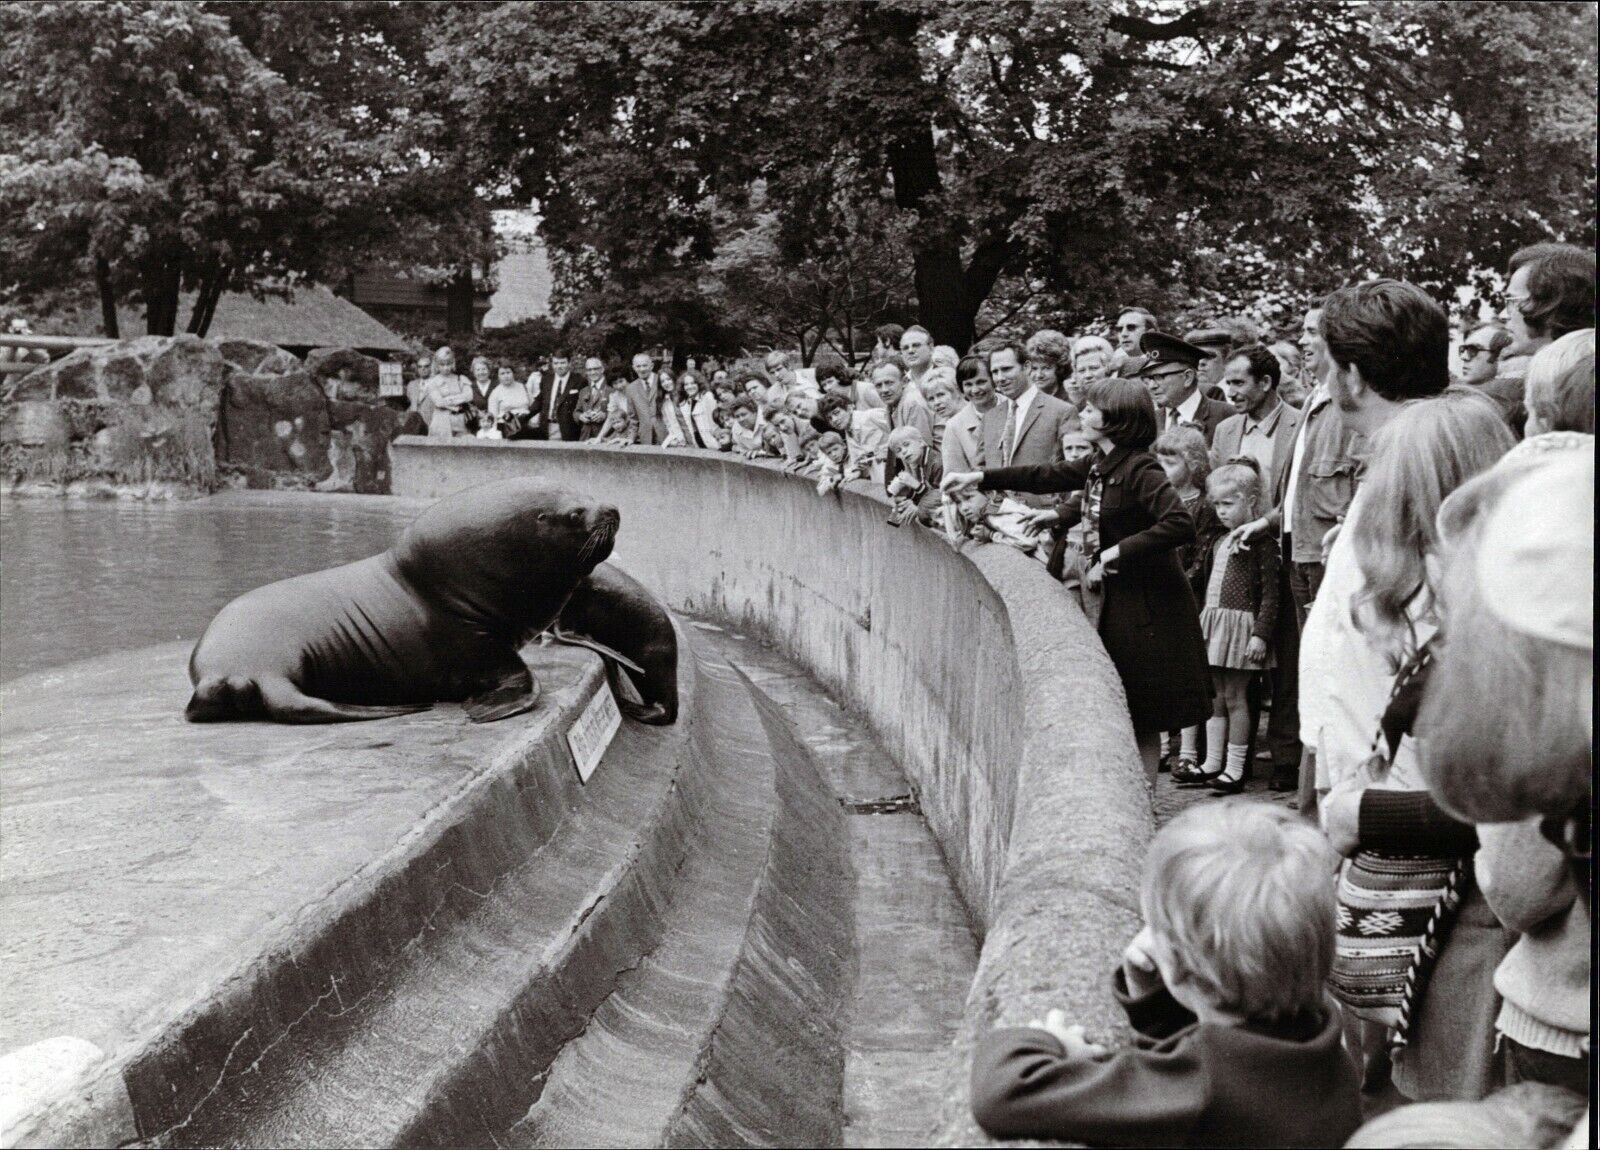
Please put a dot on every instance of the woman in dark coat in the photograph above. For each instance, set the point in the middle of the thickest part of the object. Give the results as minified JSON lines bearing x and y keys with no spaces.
{"x":1134,"y":524}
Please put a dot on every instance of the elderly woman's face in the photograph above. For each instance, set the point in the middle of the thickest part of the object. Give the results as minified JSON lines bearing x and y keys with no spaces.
{"x":942,"y":399}
{"x":480,"y":371}
{"x":1090,"y":366}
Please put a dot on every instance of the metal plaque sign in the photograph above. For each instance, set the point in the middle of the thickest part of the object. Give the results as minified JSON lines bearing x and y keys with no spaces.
{"x":591,"y":733}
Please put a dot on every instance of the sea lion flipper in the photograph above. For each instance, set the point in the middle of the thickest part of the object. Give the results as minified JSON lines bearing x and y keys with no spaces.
{"x":597,"y":647}
{"x":286,"y":703}
{"x":513,"y":693}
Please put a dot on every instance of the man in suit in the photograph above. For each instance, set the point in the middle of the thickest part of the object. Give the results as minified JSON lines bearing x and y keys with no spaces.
{"x":642,"y":392}
{"x":1265,"y":430}
{"x":1169,"y":367}
{"x":1028,"y":429}
{"x":559,"y":401}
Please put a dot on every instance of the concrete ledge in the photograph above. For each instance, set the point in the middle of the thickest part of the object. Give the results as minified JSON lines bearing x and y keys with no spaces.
{"x":975,"y":669}
{"x":193,"y":894}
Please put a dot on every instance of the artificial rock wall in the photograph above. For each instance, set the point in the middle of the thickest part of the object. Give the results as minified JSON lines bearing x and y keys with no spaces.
{"x":199,"y":414}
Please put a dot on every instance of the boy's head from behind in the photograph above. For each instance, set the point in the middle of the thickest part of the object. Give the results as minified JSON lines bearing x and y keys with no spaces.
{"x":1240,"y":895}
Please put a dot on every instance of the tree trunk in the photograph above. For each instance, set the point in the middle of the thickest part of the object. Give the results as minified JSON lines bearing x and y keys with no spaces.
{"x":108,"y":299}
{"x":205,"y":300}
{"x":161,"y":276}
{"x":458,"y":319}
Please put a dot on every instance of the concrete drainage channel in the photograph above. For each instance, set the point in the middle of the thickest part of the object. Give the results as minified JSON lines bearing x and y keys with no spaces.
{"x":914,"y":955}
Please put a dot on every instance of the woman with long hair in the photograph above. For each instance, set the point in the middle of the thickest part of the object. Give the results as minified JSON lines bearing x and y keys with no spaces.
{"x":1434,"y":1005}
{"x":671,"y":412}
{"x":1506,"y":731}
{"x":1133,"y":524}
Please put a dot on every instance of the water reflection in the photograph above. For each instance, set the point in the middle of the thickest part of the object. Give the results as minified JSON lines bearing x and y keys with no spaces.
{"x":86,"y":578}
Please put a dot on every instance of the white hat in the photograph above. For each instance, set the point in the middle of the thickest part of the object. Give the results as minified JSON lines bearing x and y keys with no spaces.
{"x":1535,"y":563}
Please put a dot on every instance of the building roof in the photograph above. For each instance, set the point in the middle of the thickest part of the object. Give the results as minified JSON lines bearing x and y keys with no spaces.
{"x":312,"y":317}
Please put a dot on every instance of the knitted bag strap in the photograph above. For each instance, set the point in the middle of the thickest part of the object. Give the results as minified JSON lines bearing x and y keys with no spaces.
{"x":1419,"y":968}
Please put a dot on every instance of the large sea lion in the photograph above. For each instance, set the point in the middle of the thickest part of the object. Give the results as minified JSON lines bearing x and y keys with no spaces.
{"x":439,"y":616}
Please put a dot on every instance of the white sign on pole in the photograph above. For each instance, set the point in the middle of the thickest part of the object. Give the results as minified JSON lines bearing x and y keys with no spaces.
{"x":591,"y":733}
{"x":390,"y":380}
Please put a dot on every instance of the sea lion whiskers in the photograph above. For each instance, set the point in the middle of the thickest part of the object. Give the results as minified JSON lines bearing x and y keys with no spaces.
{"x":603,"y":534}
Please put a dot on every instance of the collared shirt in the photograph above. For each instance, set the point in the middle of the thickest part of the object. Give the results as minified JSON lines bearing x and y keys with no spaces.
{"x":1185,"y":411}
{"x":1020,"y":413}
{"x":1259,"y":439}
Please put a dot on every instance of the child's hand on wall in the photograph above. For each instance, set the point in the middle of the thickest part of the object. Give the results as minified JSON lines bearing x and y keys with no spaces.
{"x":1071,"y":1037}
{"x":1139,"y":967}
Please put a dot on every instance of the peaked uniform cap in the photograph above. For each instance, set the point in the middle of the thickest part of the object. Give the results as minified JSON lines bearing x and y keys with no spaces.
{"x":1162,"y":352}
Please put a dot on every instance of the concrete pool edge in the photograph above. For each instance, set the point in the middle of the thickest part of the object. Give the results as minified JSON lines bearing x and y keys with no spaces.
{"x":517,"y":797}
{"x":1021,"y":749}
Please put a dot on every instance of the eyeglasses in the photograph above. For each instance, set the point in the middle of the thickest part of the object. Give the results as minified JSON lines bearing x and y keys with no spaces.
{"x":1472,"y":351}
{"x":1130,"y":327}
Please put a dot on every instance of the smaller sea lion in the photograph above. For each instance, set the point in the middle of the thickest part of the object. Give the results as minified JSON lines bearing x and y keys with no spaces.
{"x":631,"y":631}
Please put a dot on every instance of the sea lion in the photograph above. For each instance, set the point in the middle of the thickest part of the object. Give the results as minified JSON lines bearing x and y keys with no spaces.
{"x":632,"y":631}
{"x":439,"y":616}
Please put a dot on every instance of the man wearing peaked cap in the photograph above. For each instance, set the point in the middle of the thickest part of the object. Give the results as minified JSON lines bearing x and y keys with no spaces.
{"x":1170,"y":369}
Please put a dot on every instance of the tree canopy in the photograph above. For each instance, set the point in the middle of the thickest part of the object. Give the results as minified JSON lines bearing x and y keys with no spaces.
{"x":709,"y":174}
{"x":1113,"y":150}
{"x":160,"y":147}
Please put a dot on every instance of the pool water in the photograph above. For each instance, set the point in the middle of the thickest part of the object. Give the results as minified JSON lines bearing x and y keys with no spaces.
{"x":79,"y":579}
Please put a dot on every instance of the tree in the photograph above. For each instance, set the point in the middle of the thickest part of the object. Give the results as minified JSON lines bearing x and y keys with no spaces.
{"x":832,"y":296}
{"x":1098,"y":148}
{"x":159,"y":147}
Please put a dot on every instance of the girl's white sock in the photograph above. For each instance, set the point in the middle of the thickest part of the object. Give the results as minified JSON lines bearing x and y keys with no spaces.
{"x":1234,"y":771}
{"x":1216,"y":740}
{"x":1166,"y":743}
{"x":1189,"y":741}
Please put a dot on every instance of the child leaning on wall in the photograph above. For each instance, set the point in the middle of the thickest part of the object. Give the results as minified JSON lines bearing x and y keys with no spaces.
{"x":1237,"y":1042}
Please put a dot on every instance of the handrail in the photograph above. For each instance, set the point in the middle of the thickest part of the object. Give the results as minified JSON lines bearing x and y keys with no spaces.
{"x":54,"y":342}
{"x":50,"y":343}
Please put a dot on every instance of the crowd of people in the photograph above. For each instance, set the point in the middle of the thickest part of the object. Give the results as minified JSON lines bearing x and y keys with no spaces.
{"x":1391,"y":561}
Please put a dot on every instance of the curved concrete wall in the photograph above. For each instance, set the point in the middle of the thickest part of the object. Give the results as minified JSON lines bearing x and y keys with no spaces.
{"x":975,"y":669}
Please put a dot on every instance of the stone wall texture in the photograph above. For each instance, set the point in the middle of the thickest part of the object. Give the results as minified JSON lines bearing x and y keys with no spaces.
{"x":202,"y":414}
{"x":976,"y":670}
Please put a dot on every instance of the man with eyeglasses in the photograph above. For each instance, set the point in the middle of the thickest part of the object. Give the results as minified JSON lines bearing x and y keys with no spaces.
{"x":1550,"y":293}
{"x":1132,"y":323}
{"x":1480,"y":354}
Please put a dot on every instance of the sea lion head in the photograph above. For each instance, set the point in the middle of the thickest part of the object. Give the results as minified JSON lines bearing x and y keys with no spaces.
{"x":507,"y":554}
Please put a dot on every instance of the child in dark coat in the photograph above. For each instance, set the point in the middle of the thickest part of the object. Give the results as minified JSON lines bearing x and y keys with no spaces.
{"x":1238,"y":617}
{"x":1237,"y":1042}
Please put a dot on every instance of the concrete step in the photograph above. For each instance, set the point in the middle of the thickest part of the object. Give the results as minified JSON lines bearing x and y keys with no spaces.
{"x":727,"y":1033}
{"x":625,"y":1079}
{"x":454,"y":1029}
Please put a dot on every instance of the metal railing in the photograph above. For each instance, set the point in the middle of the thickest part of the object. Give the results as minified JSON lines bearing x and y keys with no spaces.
{"x":48,"y":343}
